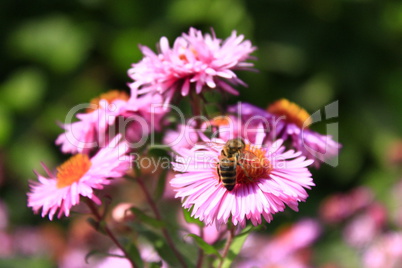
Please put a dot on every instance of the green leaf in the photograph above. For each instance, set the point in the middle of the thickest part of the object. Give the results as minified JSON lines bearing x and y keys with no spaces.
{"x":31,"y":262}
{"x":155,"y":265}
{"x":134,"y":254}
{"x":159,"y":244}
{"x":98,"y":226}
{"x":161,"y":147}
{"x":93,"y":223}
{"x":207,"y":248}
{"x":103,"y":254}
{"x":136,"y":168}
{"x":236,"y":246}
{"x":190,"y":219}
{"x":90,"y":254}
{"x":140,"y":215}
{"x":248,"y":229}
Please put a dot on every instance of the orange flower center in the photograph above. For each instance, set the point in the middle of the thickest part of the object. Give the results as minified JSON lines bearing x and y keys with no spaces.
{"x":109,"y":96}
{"x":292,"y":112}
{"x":254,"y":165}
{"x":182,"y":55}
{"x":220,"y":121}
{"x":72,"y":170}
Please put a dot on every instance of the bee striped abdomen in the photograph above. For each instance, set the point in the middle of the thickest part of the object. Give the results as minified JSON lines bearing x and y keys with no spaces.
{"x":227,"y":172}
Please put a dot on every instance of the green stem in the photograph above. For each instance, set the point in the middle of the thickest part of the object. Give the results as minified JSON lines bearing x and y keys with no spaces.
{"x":99,"y":218}
{"x":165,"y":232}
{"x":227,"y":245}
{"x":200,"y":251}
{"x":196,"y":108}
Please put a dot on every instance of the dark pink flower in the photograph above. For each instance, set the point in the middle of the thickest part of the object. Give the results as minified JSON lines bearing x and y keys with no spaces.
{"x":288,"y":121}
{"x":341,"y":206}
{"x":194,"y":63}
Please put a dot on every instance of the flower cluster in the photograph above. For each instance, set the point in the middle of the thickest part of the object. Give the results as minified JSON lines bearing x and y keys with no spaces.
{"x":242,"y":166}
{"x":277,"y":176}
{"x":370,"y":229}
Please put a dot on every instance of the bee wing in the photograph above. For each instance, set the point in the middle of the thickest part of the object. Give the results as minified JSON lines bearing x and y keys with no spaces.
{"x":214,"y":145}
{"x":248,"y":158}
{"x":250,"y":161}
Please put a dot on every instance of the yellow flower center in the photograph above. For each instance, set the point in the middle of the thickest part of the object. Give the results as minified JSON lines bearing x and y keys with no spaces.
{"x":72,"y":170}
{"x":254,"y":165}
{"x":109,"y":96}
{"x":292,"y":112}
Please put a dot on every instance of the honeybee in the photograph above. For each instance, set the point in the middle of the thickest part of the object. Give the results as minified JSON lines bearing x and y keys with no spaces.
{"x":232,"y":155}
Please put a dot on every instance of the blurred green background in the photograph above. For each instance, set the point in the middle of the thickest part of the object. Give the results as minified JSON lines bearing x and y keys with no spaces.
{"x":56,"y":54}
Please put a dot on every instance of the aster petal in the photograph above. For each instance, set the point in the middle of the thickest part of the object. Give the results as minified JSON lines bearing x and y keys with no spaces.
{"x":212,"y":203}
{"x":260,"y":135}
{"x":226,"y":87}
{"x":47,"y":195}
{"x":185,"y":88}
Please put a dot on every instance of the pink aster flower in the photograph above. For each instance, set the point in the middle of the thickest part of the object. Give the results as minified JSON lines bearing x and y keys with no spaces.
{"x":78,"y":176}
{"x":3,"y":215}
{"x":385,"y":252}
{"x":90,"y":131}
{"x":194,"y":63}
{"x":111,"y":113}
{"x":396,"y":213}
{"x":185,"y":136}
{"x":276,"y":178}
{"x":231,"y":127}
{"x":340,"y":206}
{"x":289,"y":247}
{"x":6,"y":245}
{"x":288,"y":121}
{"x":366,"y":226}
{"x":76,"y":257}
{"x":144,"y":115}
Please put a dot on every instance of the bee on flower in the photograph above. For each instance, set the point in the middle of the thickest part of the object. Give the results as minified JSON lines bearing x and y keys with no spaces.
{"x":277,"y":179}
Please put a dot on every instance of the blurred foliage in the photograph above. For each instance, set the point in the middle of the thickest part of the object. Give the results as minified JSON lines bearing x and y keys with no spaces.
{"x":57,"y":54}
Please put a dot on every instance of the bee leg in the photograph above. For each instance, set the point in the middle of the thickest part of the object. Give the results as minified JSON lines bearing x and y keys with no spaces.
{"x":219,"y":175}
{"x":245,"y":171}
